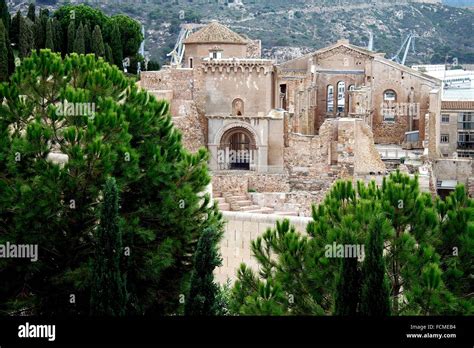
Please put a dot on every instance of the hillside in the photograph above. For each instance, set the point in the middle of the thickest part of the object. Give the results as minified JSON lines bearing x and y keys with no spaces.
{"x":291,"y":28}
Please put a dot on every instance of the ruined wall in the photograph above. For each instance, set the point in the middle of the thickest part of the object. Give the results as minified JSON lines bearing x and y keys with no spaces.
{"x":180,"y":88}
{"x":245,"y":181}
{"x":308,"y":156}
{"x":297,"y":201}
{"x":452,"y":169}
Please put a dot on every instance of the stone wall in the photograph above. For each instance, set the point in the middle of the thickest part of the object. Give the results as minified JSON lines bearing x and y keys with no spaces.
{"x":297,"y":201}
{"x":191,"y":129}
{"x":244,"y":181}
{"x":180,"y":87}
{"x":452,"y":169}
{"x":240,"y":230}
{"x":367,"y":158}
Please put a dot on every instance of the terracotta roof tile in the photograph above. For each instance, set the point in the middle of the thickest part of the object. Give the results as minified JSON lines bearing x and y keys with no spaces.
{"x":457,"y":105}
{"x":215,"y":32}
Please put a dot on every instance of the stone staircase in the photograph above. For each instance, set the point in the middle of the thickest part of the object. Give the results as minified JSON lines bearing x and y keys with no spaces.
{"x":238,"y":201}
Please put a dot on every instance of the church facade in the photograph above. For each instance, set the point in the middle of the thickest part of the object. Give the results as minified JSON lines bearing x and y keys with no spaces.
{"x":248,"y":111}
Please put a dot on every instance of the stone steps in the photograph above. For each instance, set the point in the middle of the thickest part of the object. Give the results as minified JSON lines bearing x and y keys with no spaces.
{"x":244,"y":202}
{"x":238,"y":201}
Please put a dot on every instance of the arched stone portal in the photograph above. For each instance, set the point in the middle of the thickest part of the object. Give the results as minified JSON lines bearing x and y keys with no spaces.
{"x":237,"y":150}
{"x":237,"y":135}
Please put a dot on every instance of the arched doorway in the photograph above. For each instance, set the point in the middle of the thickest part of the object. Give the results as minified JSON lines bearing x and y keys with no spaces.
{"x":237,"y":150}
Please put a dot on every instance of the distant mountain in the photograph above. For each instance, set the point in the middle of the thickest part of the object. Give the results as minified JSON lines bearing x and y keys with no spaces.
{"x":459,"y":3}
{"x":294,"y":27}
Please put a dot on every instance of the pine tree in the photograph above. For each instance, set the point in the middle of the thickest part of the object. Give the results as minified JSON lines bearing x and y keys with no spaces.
{"x":39,"y":32}
{"x":301,"y":267}
{"x":71,"y":36}
{"x":108,"y":294}
{"x":3,"y":54}
{"x":202,"y":299}
{"x":31,"y":12}
{"x":108,"y":54}
{"x":97,"y":42}
{"x":116,"y":45}
{"x":49,"y":43}
{"x":79,"y":43}
{"x":26,"y":38}
{"x":130,"y":137}
{"x":87,"y":39}
{"x":375,"y":296}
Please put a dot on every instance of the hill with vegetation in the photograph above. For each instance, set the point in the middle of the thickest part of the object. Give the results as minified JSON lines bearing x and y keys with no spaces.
{"x":291,"y":28}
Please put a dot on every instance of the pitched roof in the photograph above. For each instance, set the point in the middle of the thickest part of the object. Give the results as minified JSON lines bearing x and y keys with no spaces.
{"x":374,"y":55}
{"x":215,"y":32}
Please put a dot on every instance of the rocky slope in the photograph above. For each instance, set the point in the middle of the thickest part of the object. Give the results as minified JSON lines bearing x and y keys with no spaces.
{"x":291,"y":28}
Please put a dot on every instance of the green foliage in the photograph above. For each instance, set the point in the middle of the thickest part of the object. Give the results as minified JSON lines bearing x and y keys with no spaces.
{"x":49,"y":42}
{"x":26,"y":39}
{"x":109,"y":57}
{"x":87,"y":39}
{"x":120,"y":32}
{"x":3,"y":54}
{"x":375,"y":294}
{"x":5,"y":17}
{"x":348,"y":281}
{"x":71,"y":36}
{"x":57,"y":35}
{"x":130,"y":34}
{"x":109,"y":294}
{"x":79,"y":41}
{"x":116,"y":45}
{"x":31,"y":12}
{"x":203,"y":294}
{"x":409,"y":265}
{"x":15,"y":28}
{"x":97,"y":42}
{"x":128,"y":135}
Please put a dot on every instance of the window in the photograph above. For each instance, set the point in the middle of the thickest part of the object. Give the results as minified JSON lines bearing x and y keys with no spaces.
{"x":351,"y":87}
{"x":388,"y":109}
{"x":191,"y":63}
{"x":444,"y":138}
{"x":330,"y":99}
{"x":215,"y":54}
{"x":341,"y":96}
{"x":466,"y":120}
{"x":445,"y":118}
{"x":389,"y":95}
{"x":238,"y":107}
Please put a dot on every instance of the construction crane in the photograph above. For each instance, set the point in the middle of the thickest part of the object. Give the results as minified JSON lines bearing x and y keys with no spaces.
{"x":409,"y":41}
{"x":177,"y":53}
